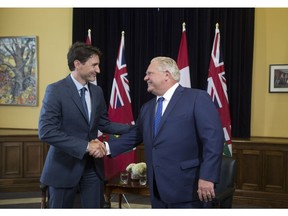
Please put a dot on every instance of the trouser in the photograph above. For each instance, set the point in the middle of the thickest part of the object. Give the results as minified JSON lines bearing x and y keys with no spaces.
{"x":157,"y":202}
{"x":90,"y":187}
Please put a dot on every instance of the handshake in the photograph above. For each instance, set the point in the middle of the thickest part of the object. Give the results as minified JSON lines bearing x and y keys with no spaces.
{"x":96,"y":148}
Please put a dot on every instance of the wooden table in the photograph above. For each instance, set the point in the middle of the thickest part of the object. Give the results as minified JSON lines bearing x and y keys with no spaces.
{"x":114,"y":186}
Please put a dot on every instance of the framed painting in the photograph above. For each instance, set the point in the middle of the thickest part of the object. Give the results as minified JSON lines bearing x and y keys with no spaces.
{"x":278,"y":79}
{"x":18,"y":71}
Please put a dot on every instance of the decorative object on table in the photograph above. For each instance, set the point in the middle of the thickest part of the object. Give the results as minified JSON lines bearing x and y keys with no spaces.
{"x":136,"y":169}
{"x":142,"y":179}
{"x":124,"y":176}
{"x":18,"y":71}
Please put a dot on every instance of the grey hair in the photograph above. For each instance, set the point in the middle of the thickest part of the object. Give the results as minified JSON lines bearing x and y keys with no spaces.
{"x":168,"y":64}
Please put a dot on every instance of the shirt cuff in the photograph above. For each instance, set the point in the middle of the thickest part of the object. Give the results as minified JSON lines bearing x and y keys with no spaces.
{"x":107,"y":148}
{"x":87,"y":147}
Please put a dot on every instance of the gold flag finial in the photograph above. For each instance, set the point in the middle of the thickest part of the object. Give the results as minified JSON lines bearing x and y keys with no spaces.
{"x":217,"y":25}
{"x":183,"y":26}
{"x":123,"y":33}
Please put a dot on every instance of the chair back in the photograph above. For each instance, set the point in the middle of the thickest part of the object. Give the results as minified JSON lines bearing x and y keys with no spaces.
{"x":227,"y":174}
{"x":224,"y":190}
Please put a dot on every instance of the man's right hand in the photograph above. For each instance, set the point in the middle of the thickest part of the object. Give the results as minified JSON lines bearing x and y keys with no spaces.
{"x":96,"y":148}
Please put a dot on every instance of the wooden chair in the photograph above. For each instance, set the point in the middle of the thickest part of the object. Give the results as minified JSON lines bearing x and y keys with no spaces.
{"x":44,"y":196}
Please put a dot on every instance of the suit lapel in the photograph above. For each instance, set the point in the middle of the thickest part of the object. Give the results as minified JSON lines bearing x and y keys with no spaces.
{"x":175,"y":98}
{"x":75,"y":96}
{"x":94,"y":104}
{"x":152,"y":109}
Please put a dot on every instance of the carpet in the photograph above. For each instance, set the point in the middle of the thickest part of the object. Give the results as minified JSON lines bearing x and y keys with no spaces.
{"x":32,"y":200}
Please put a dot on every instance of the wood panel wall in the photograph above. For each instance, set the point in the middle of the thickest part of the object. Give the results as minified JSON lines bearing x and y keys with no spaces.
{"x":262,"y":172}
{"x":22,"y":158}
{"x":261,"y":180}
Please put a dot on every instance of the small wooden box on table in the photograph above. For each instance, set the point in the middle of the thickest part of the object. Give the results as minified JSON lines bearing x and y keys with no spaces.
{"x":114,"y":186}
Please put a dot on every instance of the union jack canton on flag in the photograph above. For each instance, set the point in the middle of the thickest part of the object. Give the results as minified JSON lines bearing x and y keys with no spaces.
{"x":217,"y":89}
{"x":120,"y":111}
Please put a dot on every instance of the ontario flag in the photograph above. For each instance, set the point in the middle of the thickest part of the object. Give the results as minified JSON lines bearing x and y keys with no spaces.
{"x":217,"y":89}
{"x":182,"y":60}
{"x":120,"y":111}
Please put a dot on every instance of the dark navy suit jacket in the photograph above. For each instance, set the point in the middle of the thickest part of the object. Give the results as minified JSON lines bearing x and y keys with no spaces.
{"x":188,"y":145}
{"x":63,"y":125}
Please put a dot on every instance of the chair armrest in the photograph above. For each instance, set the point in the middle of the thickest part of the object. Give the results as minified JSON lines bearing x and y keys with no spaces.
{"x":225,"y":194}
{"x":43,"y":187}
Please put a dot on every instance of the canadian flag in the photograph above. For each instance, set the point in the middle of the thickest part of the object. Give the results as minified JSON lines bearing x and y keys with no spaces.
{"x":217,"y":89}
{"x":120,"y":111}
{"x":182,"y":60}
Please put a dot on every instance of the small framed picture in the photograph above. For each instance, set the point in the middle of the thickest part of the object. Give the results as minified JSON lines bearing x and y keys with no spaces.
{"x":278,"y":81}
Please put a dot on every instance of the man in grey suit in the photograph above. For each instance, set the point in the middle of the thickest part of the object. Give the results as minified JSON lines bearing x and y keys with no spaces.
{"x":183,"y":147}
{"x":70,"y":126}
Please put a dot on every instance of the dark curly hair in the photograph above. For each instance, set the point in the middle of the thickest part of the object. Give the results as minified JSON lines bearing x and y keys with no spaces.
{"x":81,"y":52}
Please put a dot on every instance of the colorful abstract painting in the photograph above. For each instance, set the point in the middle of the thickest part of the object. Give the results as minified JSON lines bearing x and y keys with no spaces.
{"x":18,"y":71}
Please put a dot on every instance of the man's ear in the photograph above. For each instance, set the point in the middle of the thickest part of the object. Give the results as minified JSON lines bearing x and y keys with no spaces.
{"x":167,"y":75}
{"x":77,"y":63}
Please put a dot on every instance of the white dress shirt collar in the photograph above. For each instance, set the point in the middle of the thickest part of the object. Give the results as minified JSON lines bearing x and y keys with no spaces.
{"x":78,"y":84}
{"x":167,"y":96}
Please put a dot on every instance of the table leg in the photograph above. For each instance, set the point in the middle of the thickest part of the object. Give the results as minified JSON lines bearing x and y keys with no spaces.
{"x":120,"y":200}
{"x":107,"y":200}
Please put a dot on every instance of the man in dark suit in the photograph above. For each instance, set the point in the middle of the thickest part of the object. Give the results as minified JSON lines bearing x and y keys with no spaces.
{"x":184,"y":156}
{"x":70,"y":126}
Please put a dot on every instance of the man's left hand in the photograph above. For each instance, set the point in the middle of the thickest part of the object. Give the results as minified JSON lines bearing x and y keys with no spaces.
{"x":206,"y":190}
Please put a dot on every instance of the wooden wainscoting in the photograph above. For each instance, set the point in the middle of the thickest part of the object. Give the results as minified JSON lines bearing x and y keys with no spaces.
{"x":262,"y":172}
{"x":261,"y":180}
{"x":22,"y":158}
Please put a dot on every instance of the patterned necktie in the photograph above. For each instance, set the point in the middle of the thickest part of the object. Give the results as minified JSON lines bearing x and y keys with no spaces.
{"x":158,"y":115}
{"x":82,"y":92}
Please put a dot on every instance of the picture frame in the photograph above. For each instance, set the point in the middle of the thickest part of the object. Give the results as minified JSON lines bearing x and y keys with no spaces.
{"x":278,"y":78}
{"x":18,"y":71}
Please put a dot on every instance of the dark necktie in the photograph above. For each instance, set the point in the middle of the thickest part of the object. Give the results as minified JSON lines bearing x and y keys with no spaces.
{"x":158,"y":115}
{"x":82,"y":92}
